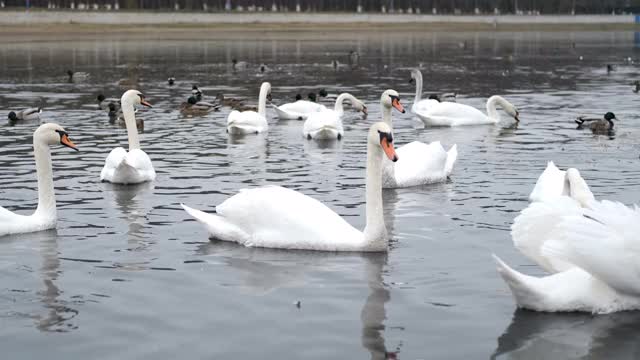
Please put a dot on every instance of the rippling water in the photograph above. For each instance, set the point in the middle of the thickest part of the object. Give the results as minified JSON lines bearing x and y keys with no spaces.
{"x":127,"y":274}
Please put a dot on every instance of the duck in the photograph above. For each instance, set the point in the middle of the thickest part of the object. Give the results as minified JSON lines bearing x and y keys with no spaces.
{"x":103,"y":102}
{"x":588,"y":247}
{"x":455,"y":114}
{"x":27,"y":114}
{"x":134,"y":166}
{"x":117,"y":117}
{"x":196,"y":93}
{"x":238,"y":65}
{"x":233,"y":103}
{"x":300,"y":109}
{"x":277,"y":217}
{"x":354,"y":58}
{"x":77,"y":76}
{"x":603,"y":126}
{"x":636,"y":86}
{"x":326,"y":124}
{"x":420,"y":163}
{"x":171,"y":80}
{"x":193,"y":107}
{"x":251,"y":122}
{"x":45,"y":216}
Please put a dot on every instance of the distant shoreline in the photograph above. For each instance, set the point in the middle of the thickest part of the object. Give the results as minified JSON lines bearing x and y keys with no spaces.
{"x":78,"y":24}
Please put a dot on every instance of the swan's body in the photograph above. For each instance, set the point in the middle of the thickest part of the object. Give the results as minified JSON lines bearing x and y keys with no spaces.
{"x":298,"y":110}
{"x":45,"y":215}
{"x":251,"y":122}
{"x":455,"y":114}
{"x":589,"y":247}
{"x":28,"y":114}
{"x":276,"y":217}
{"x":327,"y":124}
{"x":134,"y":166}
{"x":419,"y":163}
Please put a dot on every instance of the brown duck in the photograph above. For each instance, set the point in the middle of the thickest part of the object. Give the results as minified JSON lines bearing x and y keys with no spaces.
{"x":602,"y":126}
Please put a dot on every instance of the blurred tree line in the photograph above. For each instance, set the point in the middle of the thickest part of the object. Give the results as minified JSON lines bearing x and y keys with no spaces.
{"x":388,"y":6}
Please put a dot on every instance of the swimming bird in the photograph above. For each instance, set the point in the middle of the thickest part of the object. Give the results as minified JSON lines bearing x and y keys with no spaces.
{"x":171,"y":80}
{"x":419,"y":163}
{"x":277,"y":217}
{"x":196,"y":93}
{"x":238,"y":65}
{"x":45,"y":216}
{"x":300,"y":109}
{"x":456,"y":114}
{"x":117,"y":117}
{"x":610,"y":68}
{"x":233,"y":103}
{"x":603,"y":126}
{"x":420,"y":104}
{"x":251,"y":122}
{"x":103,"y":103}
{"x":636,"y":86}
{"x":588,"y":247}
{"x":193,"y":107}
{"x":326,"y":124}
{"x":27,"y":114}
{"x":134,"y":166}
{"x":77,"y":76}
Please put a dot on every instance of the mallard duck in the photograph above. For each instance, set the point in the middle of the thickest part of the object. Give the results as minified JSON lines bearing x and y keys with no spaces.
{"x":77,"y":76}
{"x":602,"y":126}
{"x":238,"y":65}
{"x":233,"y":103}
{"x":194,"y":107}
{"x":171,"y":81}
{"x":116,"y":117}
{"x":195,"y":92}
{"x":26,"y":114}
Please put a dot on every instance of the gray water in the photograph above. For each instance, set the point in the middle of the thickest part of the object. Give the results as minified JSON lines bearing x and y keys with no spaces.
{"x":127,"y":274}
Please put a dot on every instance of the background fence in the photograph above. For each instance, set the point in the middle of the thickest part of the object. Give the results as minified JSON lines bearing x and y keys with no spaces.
{"x":388,"y":6}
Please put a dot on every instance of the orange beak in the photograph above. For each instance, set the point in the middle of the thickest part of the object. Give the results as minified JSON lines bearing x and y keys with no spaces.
{"x":396,"y":104}
{"x":388,"y":149}
{"x":64,"y":140}
{"x":145,"y":103}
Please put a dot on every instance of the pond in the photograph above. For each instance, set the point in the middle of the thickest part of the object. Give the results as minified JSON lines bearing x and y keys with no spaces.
{"x":128,"y":274}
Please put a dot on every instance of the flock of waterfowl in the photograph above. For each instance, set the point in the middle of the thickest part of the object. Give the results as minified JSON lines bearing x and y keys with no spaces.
{"x":587,"y":246}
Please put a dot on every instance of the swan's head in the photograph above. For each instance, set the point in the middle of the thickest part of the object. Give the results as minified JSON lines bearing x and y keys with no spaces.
{"x":53,"y":134}
{"x":100,"y":98}
{"x":415,"y":74}
{"x":360,"y":106}
{"x":312,"y":97}
{"x":610,"y":116}
{"x":381,"y":135}
{"x":323,"y":93}
{"x":266,"y":88}
{"x":391,"y":98}
{"x":134,"y":97}
{"x":510,"y":109}
{"x":13,"y":116}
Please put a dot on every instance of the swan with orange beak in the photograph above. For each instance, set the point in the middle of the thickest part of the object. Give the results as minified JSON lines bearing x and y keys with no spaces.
{"x":134,"y":166}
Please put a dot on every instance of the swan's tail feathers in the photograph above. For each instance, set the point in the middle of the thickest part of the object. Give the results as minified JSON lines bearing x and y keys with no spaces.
{"x":218,"y":227}
{"x":452,"y":155}
{"x":578,"y":188}
{"x":522,"y":286}
{"x":125,"y":170}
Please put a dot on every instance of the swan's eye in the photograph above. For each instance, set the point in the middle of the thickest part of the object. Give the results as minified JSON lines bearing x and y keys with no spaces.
{"x":385,"y":135}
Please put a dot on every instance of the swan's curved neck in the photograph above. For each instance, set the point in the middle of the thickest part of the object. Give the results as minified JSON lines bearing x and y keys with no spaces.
{"x":46,"y":196}
{"x":386,"y":116}
{"x":339,"y":107}
{"x":492,"y":111}
{"x":262,"y":100}
{"x":130,"y":122}
{"x":375,"y":232}
{"x":418,"y":79}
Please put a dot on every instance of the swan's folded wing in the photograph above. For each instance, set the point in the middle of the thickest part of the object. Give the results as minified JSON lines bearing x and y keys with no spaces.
{"x":550,"y":183}
{"x":420,"y":163}
{"x":604,"y":242}
{"x":538,"y":224}
{"x":322,"y":119}
{"x":302,"y":106}
{"x":450,"y":113}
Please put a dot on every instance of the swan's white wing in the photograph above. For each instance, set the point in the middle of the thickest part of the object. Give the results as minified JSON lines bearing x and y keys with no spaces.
{"x":113,"y":160}
{"x":323,"y":125}
{"x":277,"y":217}
{"x":604,"y":242}
{"x":127,"y":168}
{"x":423,"y":105}
{"x":538,"y":224}
{"x":419,"y":163}
{"x":452,"y":114}
{"x":246,"y":122}
{"x":551,"y":183}
{"x":12,"y":223}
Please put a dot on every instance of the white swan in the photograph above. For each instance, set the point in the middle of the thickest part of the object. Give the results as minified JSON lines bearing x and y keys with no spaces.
{"x":45,"y":215}
{"x":419,"y":163}
{"x":420,"y":104}
{"x":275,"y":217}
{"x":133,"y":167}
{"x":251,"y":122}
{"x":589,"y":247}
{"x":455,"y":114}
{"x":327,"y":124}
{"x":298,"y":110}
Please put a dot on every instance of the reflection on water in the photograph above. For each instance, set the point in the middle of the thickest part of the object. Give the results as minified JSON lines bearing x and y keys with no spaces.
{"x":152,"y":267}
{"x":569,"y":336}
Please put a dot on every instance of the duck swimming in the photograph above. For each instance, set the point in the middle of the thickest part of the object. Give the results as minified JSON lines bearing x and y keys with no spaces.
{"x":77,"y":76}
{"x":602,"y":126}
{"x":26,"y":114}
{"x":193,"y":107}
{"x":103,"y":103}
